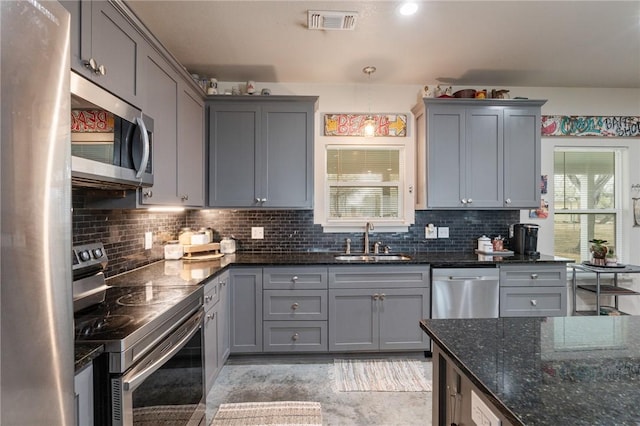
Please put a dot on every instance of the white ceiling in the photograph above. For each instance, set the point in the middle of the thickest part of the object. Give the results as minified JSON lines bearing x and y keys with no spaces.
{"x":487,"y":43}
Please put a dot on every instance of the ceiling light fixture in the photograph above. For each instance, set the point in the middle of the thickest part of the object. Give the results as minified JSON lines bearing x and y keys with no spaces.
{"x":408,"y":8}
{"x":369,"y":121}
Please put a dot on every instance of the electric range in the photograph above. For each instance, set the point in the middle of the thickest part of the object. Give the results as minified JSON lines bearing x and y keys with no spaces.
{"x":153,"y":340}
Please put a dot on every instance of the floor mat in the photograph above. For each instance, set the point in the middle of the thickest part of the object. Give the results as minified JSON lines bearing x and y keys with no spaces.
{"x":381,"y":375}
{"x":268,"y":413}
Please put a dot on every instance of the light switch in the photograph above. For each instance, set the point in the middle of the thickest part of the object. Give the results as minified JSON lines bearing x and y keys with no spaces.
{"x":443,"y":232}
{"x":148,"y":240}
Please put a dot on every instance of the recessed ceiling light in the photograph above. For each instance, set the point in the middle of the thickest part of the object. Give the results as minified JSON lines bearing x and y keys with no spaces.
{"x":408,"y":8}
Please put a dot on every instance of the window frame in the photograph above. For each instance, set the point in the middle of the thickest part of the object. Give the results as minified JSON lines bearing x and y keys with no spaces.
{"x":405,"y":185}
{"x":618,"y":209}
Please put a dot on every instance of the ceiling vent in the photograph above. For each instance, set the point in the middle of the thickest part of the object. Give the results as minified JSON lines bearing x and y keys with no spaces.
{"x":331,"y":20}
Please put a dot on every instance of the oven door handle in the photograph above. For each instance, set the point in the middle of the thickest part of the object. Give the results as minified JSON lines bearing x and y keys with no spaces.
{"x":130,"y":384}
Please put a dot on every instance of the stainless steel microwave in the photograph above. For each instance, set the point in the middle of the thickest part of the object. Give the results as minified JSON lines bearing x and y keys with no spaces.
{"x":111,"y":141}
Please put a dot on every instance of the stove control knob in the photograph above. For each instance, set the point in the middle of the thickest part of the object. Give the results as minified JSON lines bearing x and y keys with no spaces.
{"x":97,"y":253}
{"x":84,"y":255}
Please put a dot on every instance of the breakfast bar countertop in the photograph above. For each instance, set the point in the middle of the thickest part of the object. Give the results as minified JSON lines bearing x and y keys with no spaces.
{"x":549,"y":371}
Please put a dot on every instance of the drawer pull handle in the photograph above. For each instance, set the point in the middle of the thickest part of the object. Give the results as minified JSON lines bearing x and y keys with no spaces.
{"x":295,"y":337}
{"x":534,"y":302}
{"x":294,"y":279}
{"x":295,"y":306}
{"x":534,"y":276}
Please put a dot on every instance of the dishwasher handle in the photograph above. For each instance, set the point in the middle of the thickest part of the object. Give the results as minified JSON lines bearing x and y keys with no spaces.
{"x":452,"y":278}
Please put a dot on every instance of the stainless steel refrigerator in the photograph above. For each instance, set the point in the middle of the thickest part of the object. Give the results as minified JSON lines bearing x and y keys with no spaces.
{"x":36,"y":314}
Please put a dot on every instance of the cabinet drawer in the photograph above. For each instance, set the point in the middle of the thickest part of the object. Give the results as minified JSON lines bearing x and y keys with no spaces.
{"x":295,"y":278}
{"x":286,"y":305}
{"x":295,"y":336}
{"x":211,"y":294}
{"x":533,"y":301}
{"x":389,"y":276}
{"x":536,"y":276}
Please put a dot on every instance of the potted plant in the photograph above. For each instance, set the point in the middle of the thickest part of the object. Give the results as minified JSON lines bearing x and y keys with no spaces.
{"x":599,"y":251}
{"x":612,"y":259}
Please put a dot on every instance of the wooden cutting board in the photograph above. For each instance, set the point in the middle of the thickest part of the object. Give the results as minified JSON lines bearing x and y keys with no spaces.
{"x":200,"y":257}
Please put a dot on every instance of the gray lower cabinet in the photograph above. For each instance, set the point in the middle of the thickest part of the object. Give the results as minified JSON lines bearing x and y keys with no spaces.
{"x":106,"y":48}
{"x":83,"y":388}
{"x":478,"y":154}
{"x":295,"y":309}
{"x":224,"y":343}
{"x":245,"y":292}
{"x":374,"y":308}
{"x":210,"y":327}
{"x":533,"y":290}
{"x":261,"y":151}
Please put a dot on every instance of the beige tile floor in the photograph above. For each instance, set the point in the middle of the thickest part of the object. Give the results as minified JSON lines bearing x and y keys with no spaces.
{"x":310,"y":378}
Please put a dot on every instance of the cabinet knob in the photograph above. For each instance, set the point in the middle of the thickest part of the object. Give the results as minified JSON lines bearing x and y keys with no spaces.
{"x":410,"y":189}
{"x":90,"y":64}
{"x":101,"y":70}
{"x":223,"y":283}
{"x":382,"y":296}
{"x":211,"y":316}
{"x":463,"y":201}
{"x":263,"y":200}
{"x":208,"y":299}
{"x":184,"y":197}
{"x":294,"y":279}
{"x":295,"y":337}
{"x":469,"y":201}
{"x":376,"y":296}
{"x":295,"y":306}
{"x":508,"y":201}
{"x":147,"y":194}
{"x":534,"y":302}
{"x":534,"y":276}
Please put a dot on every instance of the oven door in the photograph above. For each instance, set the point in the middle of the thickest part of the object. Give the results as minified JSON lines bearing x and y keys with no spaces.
{"x":166,"y":386}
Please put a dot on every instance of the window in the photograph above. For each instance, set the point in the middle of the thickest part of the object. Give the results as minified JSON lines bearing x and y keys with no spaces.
{"x":365,"y":183}
{"x":587,"y":202}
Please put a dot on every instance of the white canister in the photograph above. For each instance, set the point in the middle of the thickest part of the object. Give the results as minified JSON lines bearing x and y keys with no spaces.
{"x":173,"y":250}
{"x":199,"y":238}
{"x":484,"y":244}
{"x":227,"y":246}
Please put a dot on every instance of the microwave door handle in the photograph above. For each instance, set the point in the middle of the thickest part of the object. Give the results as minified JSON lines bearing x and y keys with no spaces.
{"x":132,"y":383}
{"x":145,"y":147}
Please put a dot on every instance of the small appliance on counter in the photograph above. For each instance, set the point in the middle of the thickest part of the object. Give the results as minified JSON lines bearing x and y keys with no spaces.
{"x":523,"y":238}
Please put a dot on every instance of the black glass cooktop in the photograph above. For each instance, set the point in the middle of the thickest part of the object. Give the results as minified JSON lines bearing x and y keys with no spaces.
{"x":126,"y":310}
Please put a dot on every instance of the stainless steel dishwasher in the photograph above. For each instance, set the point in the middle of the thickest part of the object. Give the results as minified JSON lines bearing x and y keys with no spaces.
{"x":465,"y":293}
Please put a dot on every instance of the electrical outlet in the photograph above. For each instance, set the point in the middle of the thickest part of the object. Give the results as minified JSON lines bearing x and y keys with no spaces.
{"x":430,"y":232}
{"x":148,"y":240}
{"x":257,"y":233}
{"x":443,"y":232}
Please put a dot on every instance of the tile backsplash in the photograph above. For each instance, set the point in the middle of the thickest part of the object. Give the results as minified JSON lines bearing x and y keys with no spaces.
{"x":122,"y":232}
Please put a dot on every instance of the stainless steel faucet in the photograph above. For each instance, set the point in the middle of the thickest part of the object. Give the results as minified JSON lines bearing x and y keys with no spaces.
{"x":348,"y":250}
{"x":367,"y":228}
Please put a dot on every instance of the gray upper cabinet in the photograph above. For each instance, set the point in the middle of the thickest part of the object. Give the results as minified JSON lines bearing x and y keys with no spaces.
{"x":190,"y":148}
{"x":106,"y":48}
{"x":178,"y":144}
{"x":161,"y":103}
{"x":478,"y":154}
{"x":261,"y":152}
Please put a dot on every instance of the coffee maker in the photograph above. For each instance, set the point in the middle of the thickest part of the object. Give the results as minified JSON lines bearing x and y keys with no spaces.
{"x":523,"y":239}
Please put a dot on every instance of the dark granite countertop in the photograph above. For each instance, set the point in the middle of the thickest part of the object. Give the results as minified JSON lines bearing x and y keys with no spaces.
{"x":86,"y":353}
{"x":550,"y":371}
{"x":182,"y":272}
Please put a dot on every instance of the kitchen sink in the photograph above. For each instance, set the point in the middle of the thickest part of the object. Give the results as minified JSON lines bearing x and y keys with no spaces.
{"x":372,"y":257}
